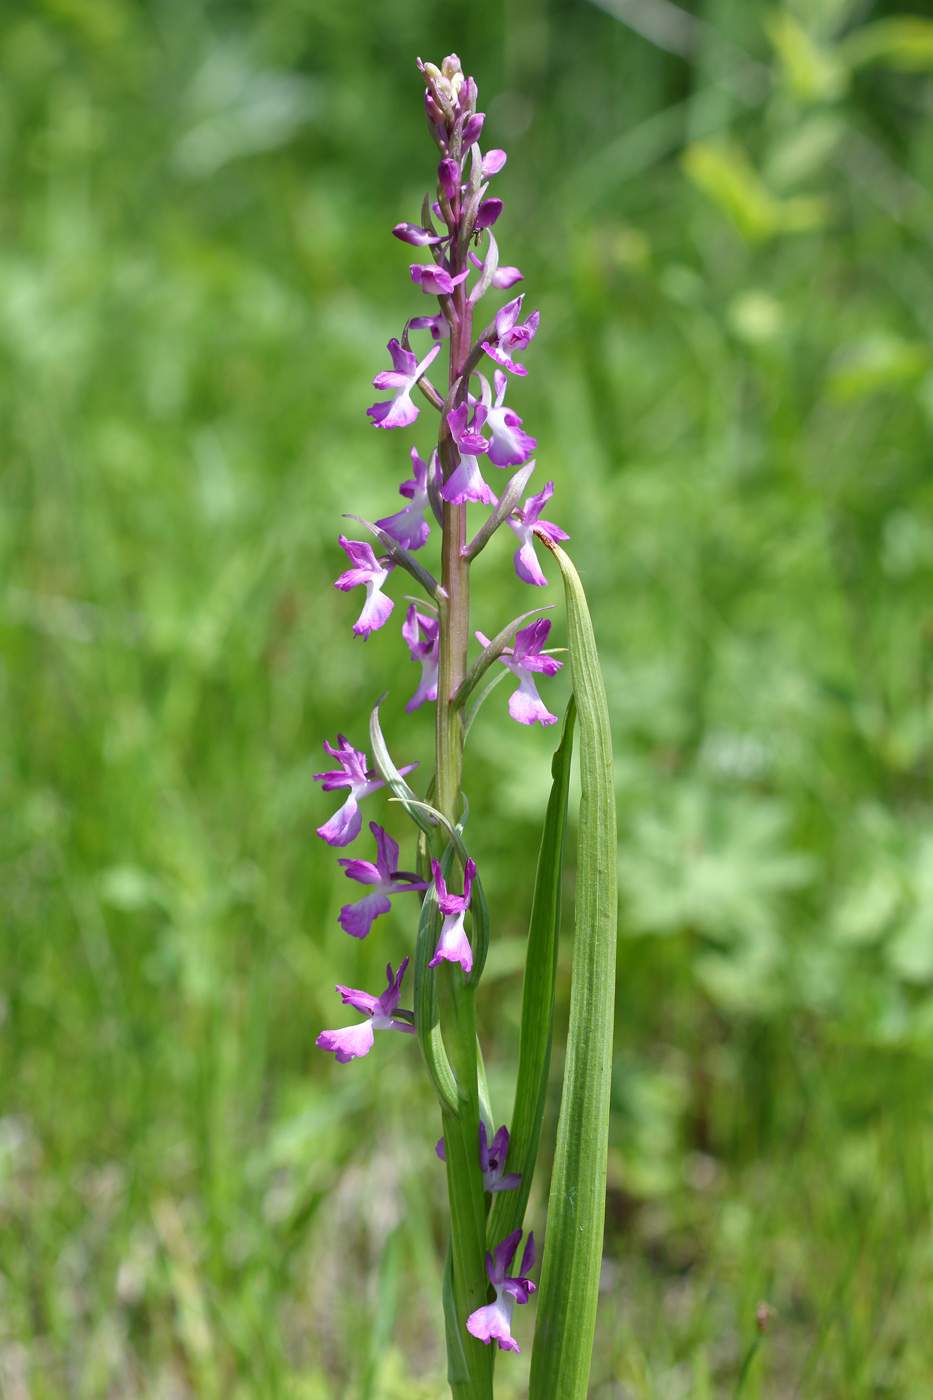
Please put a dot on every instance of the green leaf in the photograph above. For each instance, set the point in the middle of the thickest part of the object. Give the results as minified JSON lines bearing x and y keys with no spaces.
{"x":903,"y":42}
{"x":508,"y":1210}
{"x":560,"y":1362}
{"x":418,"y":811}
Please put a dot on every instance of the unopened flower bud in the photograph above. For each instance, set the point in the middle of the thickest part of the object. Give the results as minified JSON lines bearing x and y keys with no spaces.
{"x":451,"y":69}
{"x":473,"y":127}
{"x":448,"y":177}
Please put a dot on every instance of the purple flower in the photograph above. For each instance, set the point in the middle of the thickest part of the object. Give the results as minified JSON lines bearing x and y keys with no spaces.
{"x":416,"y":236}
{"x":400,"y":411}
{"x":502,"y":278}
{"x":438,"y":325}
{"x":524,"y":522}
{"x":434,"y":280}
{"x":510,"y":334}
{"x":353,"y":773}
{"x":472,"y":127}
{"x":385,"y":877}
{"x":488,"y":213}
{"x":508,"y":446}
{"x":493,"y":1323}
{"x":421,"y":634}
{"x":453,"y":944}
{"x":525,"y":704}
{"x":493,"y":162}
{"x":372,"y":572}
{"x":491,"y":1160}
{"x":353,"y":1041}
{"x":466,"y":482}
{"x":409,"y":526}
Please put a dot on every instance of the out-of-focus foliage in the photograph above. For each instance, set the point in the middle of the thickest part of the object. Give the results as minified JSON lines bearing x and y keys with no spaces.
{"x":725,"y":216}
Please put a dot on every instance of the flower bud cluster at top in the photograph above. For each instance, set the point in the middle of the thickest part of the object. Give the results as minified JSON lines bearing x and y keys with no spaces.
{"x":475,"y":425}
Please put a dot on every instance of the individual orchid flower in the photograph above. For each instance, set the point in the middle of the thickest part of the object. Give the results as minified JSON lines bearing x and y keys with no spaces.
{"x":509,"y":446}
{"x":487,"y":213}
{"x":493,"y":161}
{"x":406,"y":371}
{"x":525,"y":522}
{"x":409,"y":526}
{"x":344,"y":826}
{"x":503,"y":277}
{"x":491,"y":1160}
{"x":421,"y":631}
{"x":434,"y":280}
{"x":372,"y":572}
{"x":438,"y":325}
{"x":386,"y":879}
{"x":466,"y":482}
{"x":453,"y":944}
{"x":525,"y":704}
{"x":417,"y":236}
{"x":493,"y":1323}
{"x":355,"y":1041}
{"x":509,"y":335}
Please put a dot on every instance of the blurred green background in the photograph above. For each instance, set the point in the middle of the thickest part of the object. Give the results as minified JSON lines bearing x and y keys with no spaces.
{"x":724,"y":213}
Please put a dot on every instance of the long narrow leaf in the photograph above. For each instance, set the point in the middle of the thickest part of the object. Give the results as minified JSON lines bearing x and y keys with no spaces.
{"x":508,"y":1211}
{"x":560,"y":1363}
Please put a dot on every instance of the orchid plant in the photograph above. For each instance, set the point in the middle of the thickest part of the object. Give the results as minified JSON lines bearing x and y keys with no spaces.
{"x":478,"y":430}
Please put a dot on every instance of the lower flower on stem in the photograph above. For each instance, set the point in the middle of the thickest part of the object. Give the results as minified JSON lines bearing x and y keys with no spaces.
{"x":493,"y":1323}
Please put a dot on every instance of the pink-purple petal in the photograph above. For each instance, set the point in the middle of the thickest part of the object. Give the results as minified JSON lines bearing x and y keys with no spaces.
{"x":353,"y":1042}
{"x":357,"y":919}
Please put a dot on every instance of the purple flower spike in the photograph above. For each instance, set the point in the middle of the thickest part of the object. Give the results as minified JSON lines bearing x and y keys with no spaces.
{"x":434,"y":280}
{"x":493,"y":162}
{"x":344,"y":826}
{"x":416,"y":236}
{"x":421,"y":634}
{"x":355,"y":1041}
{"x":385,"y":877}
{"x":453,"y":944}
{"x":409,"y":526}
{"x":525,"y":704}
{"x":466,"y":482}
{"x":400,"y":411}
{"x":493,"y":1323}
{"x":488,"y":213}
{"x":509,"y":445}
{"x":372,"y":572}
{"x":511,"y":335}
{"x":492,"y":1160}
{"x":524,"y":522}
